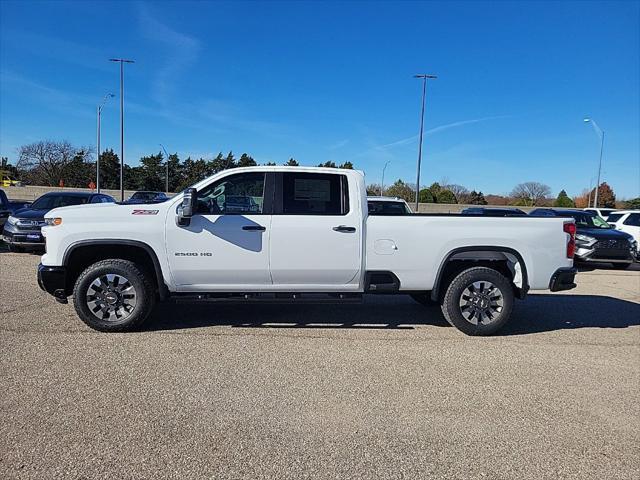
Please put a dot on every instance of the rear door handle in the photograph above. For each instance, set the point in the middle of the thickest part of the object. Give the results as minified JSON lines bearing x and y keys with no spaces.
{"x":254,"y":228}
{"x":344,"y":228}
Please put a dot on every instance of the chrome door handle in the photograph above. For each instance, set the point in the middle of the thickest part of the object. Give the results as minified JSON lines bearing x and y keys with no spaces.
{"x":344,"y":228}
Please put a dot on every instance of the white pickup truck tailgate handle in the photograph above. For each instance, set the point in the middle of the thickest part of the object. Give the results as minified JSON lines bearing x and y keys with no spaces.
{"x":344,"y":228}
{"x":254,"y":228}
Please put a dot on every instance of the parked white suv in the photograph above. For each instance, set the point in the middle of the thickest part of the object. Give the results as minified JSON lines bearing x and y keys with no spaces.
{"x":628,"y":221}
{"x":307,"y":234}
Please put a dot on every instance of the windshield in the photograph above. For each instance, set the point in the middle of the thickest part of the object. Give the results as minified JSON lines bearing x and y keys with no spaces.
{"x":585,"y":220}
{"x":49,"y":202}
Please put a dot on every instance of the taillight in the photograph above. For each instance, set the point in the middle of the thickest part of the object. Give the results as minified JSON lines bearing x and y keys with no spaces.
{"x":570,"y":228}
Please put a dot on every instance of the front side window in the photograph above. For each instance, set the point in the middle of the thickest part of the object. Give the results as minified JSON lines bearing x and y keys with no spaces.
{"x":314,"y":194}
{"x":233,"y":195}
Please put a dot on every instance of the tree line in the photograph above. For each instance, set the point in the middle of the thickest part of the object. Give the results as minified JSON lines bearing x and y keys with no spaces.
{"x":55,"y":163}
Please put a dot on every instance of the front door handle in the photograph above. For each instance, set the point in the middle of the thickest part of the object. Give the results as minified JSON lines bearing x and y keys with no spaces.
{"x":344,"y":228}
{"x":254,"y":228}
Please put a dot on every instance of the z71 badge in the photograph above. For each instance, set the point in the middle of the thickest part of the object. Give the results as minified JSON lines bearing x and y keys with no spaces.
{"x":144,"y":212}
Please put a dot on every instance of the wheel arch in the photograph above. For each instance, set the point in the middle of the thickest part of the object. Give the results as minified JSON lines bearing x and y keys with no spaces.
{"x":85,"y":252}
{"x":456,"y":261}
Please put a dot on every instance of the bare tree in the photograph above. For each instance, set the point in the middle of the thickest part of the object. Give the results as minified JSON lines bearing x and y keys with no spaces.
{"x":45,"y":161}
{"x":531,"y":194}
{"x":461,"y":192}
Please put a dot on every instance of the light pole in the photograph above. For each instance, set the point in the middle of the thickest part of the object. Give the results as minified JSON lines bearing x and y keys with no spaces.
{"x":424,"y":77}
{"x":122,"y":62}
{"x":382,"y":185}
{"x":104,"y":100}
{"x":167,"y":163}
{"x":600,"y":134}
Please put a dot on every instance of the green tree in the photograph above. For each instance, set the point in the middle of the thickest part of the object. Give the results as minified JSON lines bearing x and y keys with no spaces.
{"x":328,"y":164}
{"x":109,"y":170}
{"x":246,"y":161}
{"x":347,"y":165}
{"x":426,"y":196}
{"x":563,"y":200}
{"x":633,"y":204}
{"x":79,"y":172}
{"x":401,"y":190}
{"x":476,"y":198}
{"x":292,"y":162}
{"x":270,"y":164}
{"x":446,"y":196}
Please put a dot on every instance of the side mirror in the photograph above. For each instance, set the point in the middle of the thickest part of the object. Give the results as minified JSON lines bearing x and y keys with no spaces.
{"x":188,"y":207}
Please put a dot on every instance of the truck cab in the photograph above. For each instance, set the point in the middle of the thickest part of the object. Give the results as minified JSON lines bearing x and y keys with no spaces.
{"x":294,"y":234}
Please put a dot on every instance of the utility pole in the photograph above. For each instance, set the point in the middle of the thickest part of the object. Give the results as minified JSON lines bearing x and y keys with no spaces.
{"x":424,"y":78}
{"x":122,"y":62}
{"x":167,"y":164}
{"x":104,"y":100}
{"x":382,"y":186}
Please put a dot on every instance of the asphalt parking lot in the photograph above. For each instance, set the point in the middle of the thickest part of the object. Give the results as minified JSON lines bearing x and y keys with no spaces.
{"x":380,"y":390}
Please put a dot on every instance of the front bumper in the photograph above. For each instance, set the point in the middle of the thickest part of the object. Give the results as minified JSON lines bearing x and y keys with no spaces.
{"x":24,"y":238}
{"x":53,"y":280}
{"x":563,"y":279}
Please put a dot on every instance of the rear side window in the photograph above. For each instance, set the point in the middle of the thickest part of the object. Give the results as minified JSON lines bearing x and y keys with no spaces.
{"x":633,"y":220}
{"x":614,"y":217}
{"x":314,"y":194}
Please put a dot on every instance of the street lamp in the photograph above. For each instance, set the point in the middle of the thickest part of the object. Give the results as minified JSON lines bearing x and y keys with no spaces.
{"x":122,"y":62}
{"x":382,"y":185}
{"x":167,"y":163}
{"x":600,"y":134}
{"x":104,"y":100}
{"x":424,"y":77}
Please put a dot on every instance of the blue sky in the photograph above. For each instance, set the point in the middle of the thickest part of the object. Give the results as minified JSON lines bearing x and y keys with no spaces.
{"x":333,"y":81}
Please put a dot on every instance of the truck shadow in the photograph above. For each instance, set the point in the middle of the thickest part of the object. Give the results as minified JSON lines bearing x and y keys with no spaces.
{"x":539,"y":313}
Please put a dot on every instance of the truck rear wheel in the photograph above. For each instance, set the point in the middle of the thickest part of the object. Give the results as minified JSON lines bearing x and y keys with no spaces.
{"x":478,"y":301}
{"x":113,"y":296}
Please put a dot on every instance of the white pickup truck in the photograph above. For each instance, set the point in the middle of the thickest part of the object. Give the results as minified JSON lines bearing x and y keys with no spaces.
{"x":295,"y":234}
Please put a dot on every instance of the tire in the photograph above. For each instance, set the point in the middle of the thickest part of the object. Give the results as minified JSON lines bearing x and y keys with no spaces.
{"x":120,"y":293}
{"x":469,"y":306}
{"x":423,"y":299}
{"x":621,"y":266}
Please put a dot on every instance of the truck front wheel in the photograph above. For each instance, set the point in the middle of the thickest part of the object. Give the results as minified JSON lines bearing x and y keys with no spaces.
{"x":478,"y":301}
{"x":113,"y":295}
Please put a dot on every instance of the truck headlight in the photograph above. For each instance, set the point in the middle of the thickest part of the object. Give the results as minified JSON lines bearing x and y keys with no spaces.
{"x":52,"y":222}
{"x":12,"y":220}
{"x":585,"y":240}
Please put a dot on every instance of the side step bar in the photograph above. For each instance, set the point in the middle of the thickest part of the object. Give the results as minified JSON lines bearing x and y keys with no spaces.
{"x":277,"y":298}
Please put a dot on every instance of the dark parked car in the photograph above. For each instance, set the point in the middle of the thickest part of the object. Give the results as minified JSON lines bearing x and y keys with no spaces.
{"x":147,"y":197}
{"x":22,"y":228}
{"x":5,"y":211}
{"x":596,"y":240}
{"x":493,"y":212}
